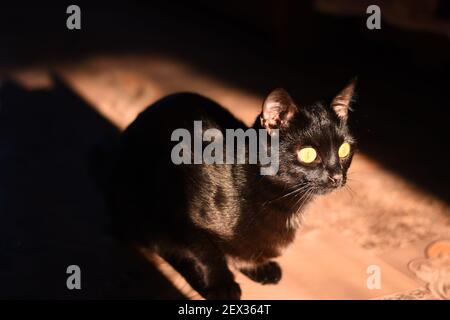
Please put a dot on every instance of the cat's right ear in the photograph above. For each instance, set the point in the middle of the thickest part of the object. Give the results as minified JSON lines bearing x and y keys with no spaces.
{"x":278,"y":109}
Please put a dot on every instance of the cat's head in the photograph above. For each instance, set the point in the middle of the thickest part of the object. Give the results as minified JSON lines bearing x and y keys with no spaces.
{"x":315,"y":146}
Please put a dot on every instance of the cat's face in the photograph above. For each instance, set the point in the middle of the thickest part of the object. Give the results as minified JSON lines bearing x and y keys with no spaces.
{"x":316,"y":147}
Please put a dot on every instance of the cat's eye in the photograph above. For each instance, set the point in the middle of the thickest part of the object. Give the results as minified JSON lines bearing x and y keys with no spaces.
{"x":307,"y":155}
{"x":344,"y":150}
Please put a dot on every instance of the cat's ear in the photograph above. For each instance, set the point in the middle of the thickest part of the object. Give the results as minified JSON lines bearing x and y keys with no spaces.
{"x":278,"y":109}
{"x":341,"y":102}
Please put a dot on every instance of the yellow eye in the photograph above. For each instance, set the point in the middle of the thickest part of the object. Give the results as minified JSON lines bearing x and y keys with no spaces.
{"x":307,"y":155}
{"x":344,"y":150}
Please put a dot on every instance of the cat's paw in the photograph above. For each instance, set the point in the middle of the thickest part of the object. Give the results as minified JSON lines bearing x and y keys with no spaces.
{"x":268,"y":273}
{"x":224,"y":291}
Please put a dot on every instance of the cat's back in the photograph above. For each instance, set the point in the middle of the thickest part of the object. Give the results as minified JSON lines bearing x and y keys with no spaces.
{"x":150,"y":137}
{"x":180,"y":110}
{"x":147,"y":182}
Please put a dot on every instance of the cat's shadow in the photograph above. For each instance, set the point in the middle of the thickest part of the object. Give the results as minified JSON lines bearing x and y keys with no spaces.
{"x":53,"y":214}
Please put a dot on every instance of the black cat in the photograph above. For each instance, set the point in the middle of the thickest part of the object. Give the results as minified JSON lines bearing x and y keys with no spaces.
{"x":199,"y":217}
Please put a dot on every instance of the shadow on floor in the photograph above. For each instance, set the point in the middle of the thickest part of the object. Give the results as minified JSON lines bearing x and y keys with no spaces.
{"x":52,"y":214}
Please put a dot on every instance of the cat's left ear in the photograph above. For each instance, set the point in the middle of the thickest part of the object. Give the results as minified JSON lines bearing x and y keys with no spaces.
{"x":341,"y":103}
{"x":278,"y":109}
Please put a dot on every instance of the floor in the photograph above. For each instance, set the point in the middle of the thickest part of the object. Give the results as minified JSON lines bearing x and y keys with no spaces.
{"x":386,"y":238}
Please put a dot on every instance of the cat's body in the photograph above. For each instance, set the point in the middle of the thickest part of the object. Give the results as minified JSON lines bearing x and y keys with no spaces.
{"x":199,"y":216}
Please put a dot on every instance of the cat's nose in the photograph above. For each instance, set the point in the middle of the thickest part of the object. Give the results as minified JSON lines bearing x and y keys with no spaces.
{"x":335,"y":179}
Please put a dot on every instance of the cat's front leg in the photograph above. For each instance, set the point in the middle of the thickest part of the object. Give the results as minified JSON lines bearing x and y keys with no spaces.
{"x":219,"y":280}
{"x":205,"y":267}
{"x":266,"y":273}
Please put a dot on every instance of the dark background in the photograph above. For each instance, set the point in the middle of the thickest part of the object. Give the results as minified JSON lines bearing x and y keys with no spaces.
{"x":49,"y":206}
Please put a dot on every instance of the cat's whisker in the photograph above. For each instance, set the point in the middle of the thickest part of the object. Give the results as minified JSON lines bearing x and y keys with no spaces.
{"x":298,"y":203}
{"x":350,"y":191}
{"x":302,"y":192}
{"x":303,"y":195}
{"x":295,"y":219}
{"x":300,"y":187}
{"x":304,"y":198}
{"x":294,"y":191}
{"x":353,"y":180}
{"x":354,"y":192}
{"x":353,"y":173}
{"x":298,"y":214}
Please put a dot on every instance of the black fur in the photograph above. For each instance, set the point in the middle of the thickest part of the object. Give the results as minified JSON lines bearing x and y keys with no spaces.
{"x":200,"y":216}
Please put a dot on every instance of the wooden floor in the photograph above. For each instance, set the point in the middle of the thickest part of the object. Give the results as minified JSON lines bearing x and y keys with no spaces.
{"x":385,"y":223}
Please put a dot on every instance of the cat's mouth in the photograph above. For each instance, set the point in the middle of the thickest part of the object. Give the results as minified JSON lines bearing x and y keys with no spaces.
{"x":323,"y":190}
